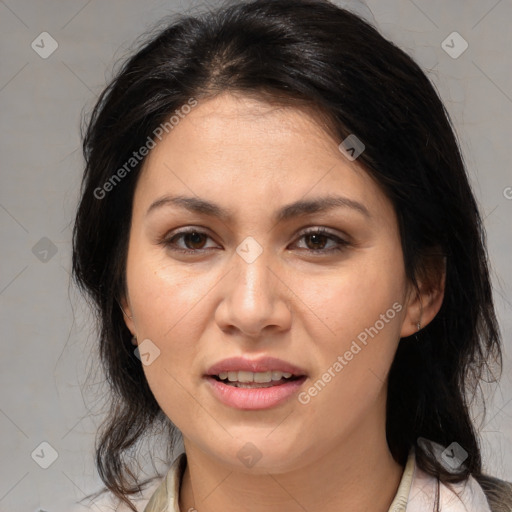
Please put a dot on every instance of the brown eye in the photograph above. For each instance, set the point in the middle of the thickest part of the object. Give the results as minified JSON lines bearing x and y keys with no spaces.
{"x":194,"y":240}
{"x":190,"y":241}
{"x":317,"y":241}
{"x":321,"y":241}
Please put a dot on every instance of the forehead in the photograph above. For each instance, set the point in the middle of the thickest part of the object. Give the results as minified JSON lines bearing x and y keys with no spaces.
{"x":235,"y":121}
{"x":240,"y":148}
{"x":232,"y":125}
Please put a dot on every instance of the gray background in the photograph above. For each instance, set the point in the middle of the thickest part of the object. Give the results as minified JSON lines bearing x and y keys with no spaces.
{"x":46,"y":331}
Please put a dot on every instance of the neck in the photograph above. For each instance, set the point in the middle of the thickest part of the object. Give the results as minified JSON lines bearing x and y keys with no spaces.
{"x":357,"y":474}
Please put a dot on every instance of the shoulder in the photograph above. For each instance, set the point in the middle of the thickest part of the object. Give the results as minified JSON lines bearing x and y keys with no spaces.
{"x":498,"y":493}
{"x":107,"y":502}
{"x":158,"y":494}
{"x":478,"y":493}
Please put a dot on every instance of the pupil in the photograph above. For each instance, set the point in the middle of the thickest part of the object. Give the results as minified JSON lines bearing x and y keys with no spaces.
{"x":194,"y":238}
{"x":316,"y":239}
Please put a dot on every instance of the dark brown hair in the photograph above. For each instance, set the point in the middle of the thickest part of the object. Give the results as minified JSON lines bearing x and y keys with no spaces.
{"x":303,"y":52}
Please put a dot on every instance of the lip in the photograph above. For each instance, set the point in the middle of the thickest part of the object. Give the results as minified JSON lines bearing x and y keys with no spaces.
{"x":261,"y":364}
{"x":254,"y":398}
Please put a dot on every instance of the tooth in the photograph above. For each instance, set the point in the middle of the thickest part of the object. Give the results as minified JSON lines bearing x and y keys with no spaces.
{"x":247,"y":376}
{"x":263,"y":377}
{"x":258,"y":377}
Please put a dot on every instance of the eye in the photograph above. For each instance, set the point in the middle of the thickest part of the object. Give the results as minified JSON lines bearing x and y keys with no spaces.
{"x":317,"y":239}
{"x":193,"y":240}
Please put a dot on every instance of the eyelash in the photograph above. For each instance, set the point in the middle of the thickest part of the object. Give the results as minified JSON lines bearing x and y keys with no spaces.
{"x":169,"y":243}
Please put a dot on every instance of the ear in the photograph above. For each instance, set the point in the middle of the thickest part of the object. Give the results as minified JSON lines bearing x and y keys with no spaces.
{"x":127,"y":314}
{"x":424,"y":303}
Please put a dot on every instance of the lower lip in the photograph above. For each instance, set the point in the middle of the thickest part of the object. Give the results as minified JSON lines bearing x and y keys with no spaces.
{"x":254,"y":398}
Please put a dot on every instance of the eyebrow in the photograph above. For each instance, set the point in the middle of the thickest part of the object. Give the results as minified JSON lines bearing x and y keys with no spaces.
{"x":295,"y":209}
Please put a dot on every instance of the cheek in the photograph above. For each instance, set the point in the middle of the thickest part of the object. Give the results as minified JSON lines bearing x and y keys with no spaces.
{"x":342,"y":304}
{"x":358,"y":318}
{"x":164,"y":297}
{"x":167,"y":305}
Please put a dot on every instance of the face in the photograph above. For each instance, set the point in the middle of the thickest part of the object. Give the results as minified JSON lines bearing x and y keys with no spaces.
{"x":281,"y":247}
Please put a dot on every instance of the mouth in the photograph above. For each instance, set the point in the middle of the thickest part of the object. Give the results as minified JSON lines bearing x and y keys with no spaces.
{"x":254,"y":384}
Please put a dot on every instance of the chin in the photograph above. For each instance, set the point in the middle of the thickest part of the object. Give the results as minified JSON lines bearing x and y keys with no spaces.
{"x":254,"y":452}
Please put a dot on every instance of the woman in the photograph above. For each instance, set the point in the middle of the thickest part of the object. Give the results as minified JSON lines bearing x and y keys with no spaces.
{"x":288,"y":264}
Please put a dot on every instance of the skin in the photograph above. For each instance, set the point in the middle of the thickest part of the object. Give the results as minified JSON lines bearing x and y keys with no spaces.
{"x":253,"y":158}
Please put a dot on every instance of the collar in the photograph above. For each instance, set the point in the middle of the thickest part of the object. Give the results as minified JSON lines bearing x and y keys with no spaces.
{"x":416,"y":491}
{"x":165,"y":498}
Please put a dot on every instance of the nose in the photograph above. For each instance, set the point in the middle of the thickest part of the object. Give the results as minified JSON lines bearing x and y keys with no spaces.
{"x":255,"y":301}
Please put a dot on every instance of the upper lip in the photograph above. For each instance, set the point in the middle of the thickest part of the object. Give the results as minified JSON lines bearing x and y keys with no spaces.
{"x":261,"y":364}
